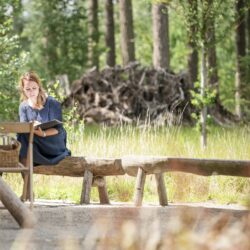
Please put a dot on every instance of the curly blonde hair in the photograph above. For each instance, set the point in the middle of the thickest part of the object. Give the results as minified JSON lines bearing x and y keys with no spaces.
{"x":32,"y":76}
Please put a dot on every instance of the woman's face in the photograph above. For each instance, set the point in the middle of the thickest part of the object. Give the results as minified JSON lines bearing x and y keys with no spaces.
{"x":31,"y":89}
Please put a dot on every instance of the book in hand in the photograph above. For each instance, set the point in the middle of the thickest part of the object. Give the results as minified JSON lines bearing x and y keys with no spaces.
{"x":47,"y":125}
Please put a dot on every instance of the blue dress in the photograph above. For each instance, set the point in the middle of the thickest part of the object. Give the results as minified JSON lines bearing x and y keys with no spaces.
{"x":46,"y":150}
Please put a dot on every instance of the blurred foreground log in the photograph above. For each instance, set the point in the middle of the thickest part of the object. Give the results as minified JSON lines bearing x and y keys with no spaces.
{"x":17,"y":209}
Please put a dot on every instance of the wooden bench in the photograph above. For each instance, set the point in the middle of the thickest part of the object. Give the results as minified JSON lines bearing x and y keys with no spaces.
{"x":93,"y":170}
{"x":142,"y":166}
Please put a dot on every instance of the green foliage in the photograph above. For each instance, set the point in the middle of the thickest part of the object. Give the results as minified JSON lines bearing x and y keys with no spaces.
{"x":54,"y":90}
{"x":11,"y":61}
{"x":199,"y":101}
{"x":143,"y":31}
{"x":55,"y":33}
{"x":222,"y":13}
{"x":71,"y":117}
{"x":178,"y":39}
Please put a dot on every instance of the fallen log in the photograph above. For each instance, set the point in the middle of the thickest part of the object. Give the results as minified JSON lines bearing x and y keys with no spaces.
{"x":24,"y":217}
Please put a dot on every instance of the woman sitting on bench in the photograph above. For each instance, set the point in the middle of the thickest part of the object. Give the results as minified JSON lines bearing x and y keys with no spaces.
{"x":49,"y":146}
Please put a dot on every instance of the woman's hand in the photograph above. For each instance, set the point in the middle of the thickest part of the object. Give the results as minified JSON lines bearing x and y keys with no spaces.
{"x":40,"y":132}
{"x":45,"y":133}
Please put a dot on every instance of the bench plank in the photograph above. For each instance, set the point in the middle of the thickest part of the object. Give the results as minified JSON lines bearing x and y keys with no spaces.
{"x":70,"y":166}
{"x":75,"y":167}
{"x":205,"y":167}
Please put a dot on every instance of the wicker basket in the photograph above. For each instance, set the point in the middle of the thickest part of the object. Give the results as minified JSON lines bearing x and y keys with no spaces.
{"x":9,"y":152}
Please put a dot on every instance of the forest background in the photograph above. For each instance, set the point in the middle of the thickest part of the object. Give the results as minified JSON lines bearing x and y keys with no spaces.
{"x":70,"y":36}
{"x":208,"y":39}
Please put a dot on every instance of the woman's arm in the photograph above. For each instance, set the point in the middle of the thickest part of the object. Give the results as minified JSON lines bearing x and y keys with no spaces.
{"x":45,"y":133}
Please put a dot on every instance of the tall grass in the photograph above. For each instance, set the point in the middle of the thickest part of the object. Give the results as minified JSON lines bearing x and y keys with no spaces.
{"x":103,"y":141}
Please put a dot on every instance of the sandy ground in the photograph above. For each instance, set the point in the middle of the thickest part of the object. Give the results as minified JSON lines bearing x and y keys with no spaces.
{"x":63,"y":225}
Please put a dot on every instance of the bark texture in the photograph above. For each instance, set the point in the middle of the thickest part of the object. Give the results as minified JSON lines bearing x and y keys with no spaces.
{"x":240,"y":54}
{"x":93,"y":34}
{"x":127,"y":32}
{"x":192,"y":44}
{"x":109,"y":33}
{"x":161,"y":56}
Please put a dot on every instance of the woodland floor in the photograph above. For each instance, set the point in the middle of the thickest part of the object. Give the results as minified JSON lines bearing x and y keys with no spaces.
{"x":63,"y":225}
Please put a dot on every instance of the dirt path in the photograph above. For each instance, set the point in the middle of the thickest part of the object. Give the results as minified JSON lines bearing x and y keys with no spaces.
{"x":69,"y":226}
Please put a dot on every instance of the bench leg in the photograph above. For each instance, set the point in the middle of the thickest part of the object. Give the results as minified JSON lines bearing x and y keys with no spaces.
{"x":161,"y":189}
{"x":139,"y":187}
{"x":86,"y":187}
{"x":25,"y":193}
{"x":103,"y":193}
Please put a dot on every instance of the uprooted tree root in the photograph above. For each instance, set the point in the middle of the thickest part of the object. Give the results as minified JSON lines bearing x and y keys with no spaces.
{"x":136,"y":93}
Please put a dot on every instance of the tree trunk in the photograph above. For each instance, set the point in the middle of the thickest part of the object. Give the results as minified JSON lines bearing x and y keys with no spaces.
{"x":18,"y":23}
{"x":93,"y":33}
{"x":203,"y":89}
{"x":161,"y":57}
{"x":192,"y":43}
{"x":248,"y":45}
{"x":213,"y":79}
{"x":240,"y":54}
{"x":206,"y":12}
{"x":127,"y":32}
{"x":51,"y":55}
{"x":109,"y":33}
{"x":217,"y":111}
